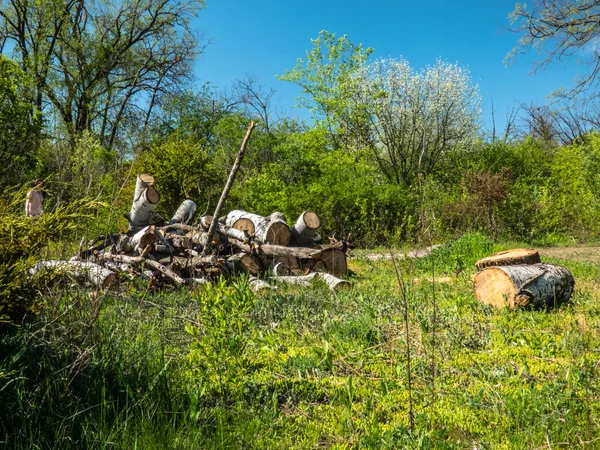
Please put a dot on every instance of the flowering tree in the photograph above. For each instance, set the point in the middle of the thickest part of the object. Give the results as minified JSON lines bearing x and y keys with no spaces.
{"x":417,"y":118}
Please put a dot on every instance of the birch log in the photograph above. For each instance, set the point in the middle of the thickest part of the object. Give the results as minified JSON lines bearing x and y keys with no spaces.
{"x":267,"y":230}
{"x":539,"y":285}
{"x":145,"y":199}
{"x":146,"y":236}
{"x":184,"y":213}
{"x":332,"y":282}
{"x":305,"y":229}
{"x":99,"y":276}
{"x":510,"y":258}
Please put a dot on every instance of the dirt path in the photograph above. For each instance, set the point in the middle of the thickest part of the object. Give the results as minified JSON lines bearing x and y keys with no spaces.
{"x":589,"y":254}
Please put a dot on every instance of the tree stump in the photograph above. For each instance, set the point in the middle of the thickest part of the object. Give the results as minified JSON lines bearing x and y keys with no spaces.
{"x":539,"y":285}
{"x":145,"y":199}
{"x":510,"y":258}
{"x":267,"y":230}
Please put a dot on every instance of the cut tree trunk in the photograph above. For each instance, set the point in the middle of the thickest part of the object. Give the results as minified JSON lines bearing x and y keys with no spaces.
{"x":305,"y":230}
{"x":245,"y":262}
{"x":184,"y":213}
{"x":145,"y":199}
{"x":510,"y":258}
{"x":99,"y":276}
{"x":333,"y":283}
{"x":279,"y":250}
{"x":267,"y":230}
{"x":539,"y":285}
{"x":332,"y":261}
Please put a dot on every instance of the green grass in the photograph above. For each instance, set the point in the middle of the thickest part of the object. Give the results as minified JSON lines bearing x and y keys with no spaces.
{"x":307,"y":368}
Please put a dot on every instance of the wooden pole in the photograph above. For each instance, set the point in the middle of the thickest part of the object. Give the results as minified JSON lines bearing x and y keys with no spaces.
{"x":225,"y":193}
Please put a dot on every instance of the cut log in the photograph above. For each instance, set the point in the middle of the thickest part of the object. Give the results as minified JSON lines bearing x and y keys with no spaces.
{"x":421,"y":253}
{"x":334,"y":261}
{"x":205,"y":222}
{"x":145,"y":199}
{"x":179,"y":241}
{"x":99,"y":276}
{"x":510,"y":258}
{"x":539,"y":285}
{"x":146,"y":236}
{"x":332,"y":282}
{"x":278,"y":216}
{"x":184,"y":213}
{"x":267,"y":230}
{"x":164,"y":270}
{"x":305,"y":230}
{"x":256,"y":284}
{"x":245,"y":262}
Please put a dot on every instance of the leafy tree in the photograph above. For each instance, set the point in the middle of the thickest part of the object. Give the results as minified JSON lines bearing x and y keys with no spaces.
{"x":561,"y":30}
{"x":417,"y":118}
{"x":100,"y":65}
{"x":327,"y":82}
{"x":20,"y":125}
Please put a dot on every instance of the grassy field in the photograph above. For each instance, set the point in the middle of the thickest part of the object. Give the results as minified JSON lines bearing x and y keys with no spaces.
{"x":307,"y":368}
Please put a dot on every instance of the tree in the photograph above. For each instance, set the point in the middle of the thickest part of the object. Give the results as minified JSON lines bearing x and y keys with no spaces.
{"x":561,"y":30}
{"x":417,"y":118}
{"x":326,"y":79}
{"x":20,"y":125}
{"x":100,"y":64}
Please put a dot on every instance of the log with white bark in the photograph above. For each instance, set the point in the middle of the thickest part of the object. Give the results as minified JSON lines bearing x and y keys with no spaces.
{"x":279,"y":250}
{"x":332,"y":282}
{"x":256,"y":284}
{"x":510,"y":258}
{"x":146,"y":236}
{"x":304,"y":231}
{"x":421,"y":253}
{"x":539,"y":285}
{"x":99,"y":276}
{"x":184,"y":213}
{"x":145,"y":199}
{"x":165,"y":271}
{"x":267,"y":230}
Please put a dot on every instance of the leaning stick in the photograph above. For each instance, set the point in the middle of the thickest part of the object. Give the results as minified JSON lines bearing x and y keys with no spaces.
{"x":225,"y":193}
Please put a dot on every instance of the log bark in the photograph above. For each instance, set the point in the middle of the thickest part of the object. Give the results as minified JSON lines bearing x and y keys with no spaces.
{"x":245,"y":262}
{"x":165,"y":271}
{"x":146,"y":236}
{"x":266,"y":230}
{"x":510,"y":258}
{"x":304,"y":231}
{"x":184,"y":213}
{"x":145,"y":199}
{"x":99,"y":276}
{"x":256,"y":284}
{"x":539,"y":285}
{"x":333,"y":261}
{"x":332,"y":282}
{"x":279,"y":250}
{"x":421,"y":253}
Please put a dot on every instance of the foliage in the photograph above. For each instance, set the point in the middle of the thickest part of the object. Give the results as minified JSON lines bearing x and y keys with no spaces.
{"x":22,"y":241}
{"x":326,"y":78}
{"x":304,"y":367}
{"x":561,"y":31}
{"x":20,"y":123}
{"x":418,"y":117}
{"x":94,"y":63}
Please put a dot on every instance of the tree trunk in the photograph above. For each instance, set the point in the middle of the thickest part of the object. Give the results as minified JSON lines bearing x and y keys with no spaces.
{"x":510,"y":258}
{"x":99,"y":276}
{"x":540,"y":285}
{"x":184,"y":213}
{"x":279,"y":250}
{"x":267,"y":230}
{"x":333,"y":283}
{"x":145,"y":199}
{"x":304,"y":231}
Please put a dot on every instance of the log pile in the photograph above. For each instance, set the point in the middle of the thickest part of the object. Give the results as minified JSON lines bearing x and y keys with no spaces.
{"x":181,"y":253}
{"x":517,"y":278}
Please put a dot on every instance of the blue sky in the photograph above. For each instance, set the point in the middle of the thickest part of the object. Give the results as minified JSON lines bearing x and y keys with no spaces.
{"x":265,"y":37}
